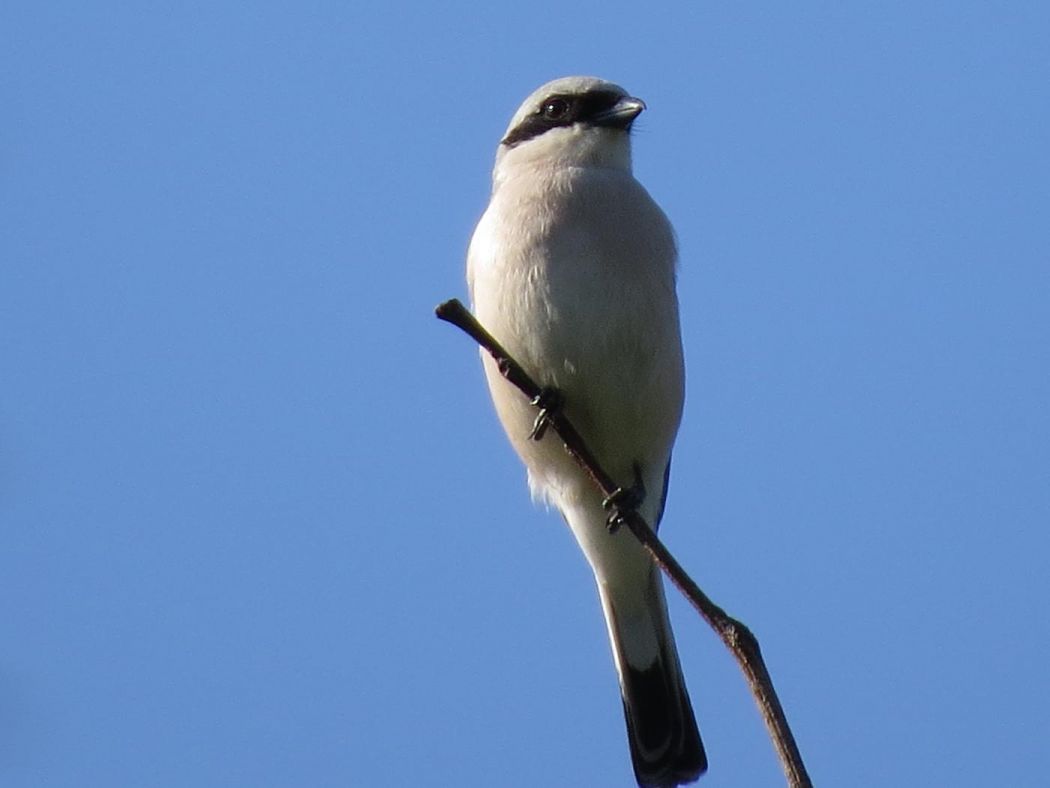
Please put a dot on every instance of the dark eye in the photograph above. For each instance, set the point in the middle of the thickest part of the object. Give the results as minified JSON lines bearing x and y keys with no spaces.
{"x":555,"y":109}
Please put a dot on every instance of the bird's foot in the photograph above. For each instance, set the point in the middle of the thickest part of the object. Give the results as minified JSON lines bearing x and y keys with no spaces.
{"x":550,"y":402}
{"x":624,"y":501}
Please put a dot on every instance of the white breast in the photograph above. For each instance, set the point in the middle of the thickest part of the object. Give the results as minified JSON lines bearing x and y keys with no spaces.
{"x":573,"y":271}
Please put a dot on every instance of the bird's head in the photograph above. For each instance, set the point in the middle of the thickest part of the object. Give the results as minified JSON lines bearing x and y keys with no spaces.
{"x":571,"y":122}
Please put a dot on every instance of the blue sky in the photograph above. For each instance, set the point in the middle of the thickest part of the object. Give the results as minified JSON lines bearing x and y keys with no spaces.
{"x":258,"y":523}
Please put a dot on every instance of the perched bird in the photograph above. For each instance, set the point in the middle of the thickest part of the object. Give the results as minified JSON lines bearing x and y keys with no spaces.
{"x":572,"y":269}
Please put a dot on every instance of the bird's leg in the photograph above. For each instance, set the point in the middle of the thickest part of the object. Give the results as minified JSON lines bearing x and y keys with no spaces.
{"x":624,"y":500}
{"x":549,"y":401}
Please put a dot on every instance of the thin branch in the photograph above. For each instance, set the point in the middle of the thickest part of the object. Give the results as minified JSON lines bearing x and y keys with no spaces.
{"x":737,"y":637}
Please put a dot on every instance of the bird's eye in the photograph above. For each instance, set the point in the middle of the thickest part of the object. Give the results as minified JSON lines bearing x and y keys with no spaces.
{"x":555,"y":109}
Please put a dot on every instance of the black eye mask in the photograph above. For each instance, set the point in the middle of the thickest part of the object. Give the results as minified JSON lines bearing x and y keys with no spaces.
{"x":561,"y":110}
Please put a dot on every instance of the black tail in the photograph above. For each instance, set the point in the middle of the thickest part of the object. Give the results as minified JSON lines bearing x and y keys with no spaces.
{"x":665,"y":744}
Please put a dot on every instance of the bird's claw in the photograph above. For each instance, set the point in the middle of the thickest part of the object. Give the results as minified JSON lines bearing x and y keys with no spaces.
{"x":624,"y":501}
{"x":549,"y":401}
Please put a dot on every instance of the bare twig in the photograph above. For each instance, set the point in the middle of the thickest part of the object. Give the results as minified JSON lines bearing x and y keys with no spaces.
{"x":737,"y":637}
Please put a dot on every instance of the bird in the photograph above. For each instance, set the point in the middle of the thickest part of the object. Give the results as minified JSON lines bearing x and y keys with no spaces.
{"x":572,"y":268}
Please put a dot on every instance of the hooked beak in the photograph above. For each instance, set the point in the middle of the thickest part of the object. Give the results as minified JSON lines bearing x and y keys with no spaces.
{"x":621,"y":114}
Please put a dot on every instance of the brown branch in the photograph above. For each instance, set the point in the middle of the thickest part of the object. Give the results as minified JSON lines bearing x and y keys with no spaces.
{"x":737,"y":637}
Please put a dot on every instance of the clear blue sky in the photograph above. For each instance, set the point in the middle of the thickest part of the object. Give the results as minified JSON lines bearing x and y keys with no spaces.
{"x":258,"y":523}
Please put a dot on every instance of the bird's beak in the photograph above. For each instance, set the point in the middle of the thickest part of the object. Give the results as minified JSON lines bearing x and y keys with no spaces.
{"x":621,"y":114}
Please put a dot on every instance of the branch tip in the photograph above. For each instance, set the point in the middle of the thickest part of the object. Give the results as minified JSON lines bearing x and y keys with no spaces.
{"x":734,"y":634}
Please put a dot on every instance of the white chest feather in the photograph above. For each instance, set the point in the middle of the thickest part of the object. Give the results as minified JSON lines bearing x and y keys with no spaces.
{"x":573,"y":271}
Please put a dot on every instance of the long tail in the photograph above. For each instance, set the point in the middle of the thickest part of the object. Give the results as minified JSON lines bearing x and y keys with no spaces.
{"x":665,"y":744}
